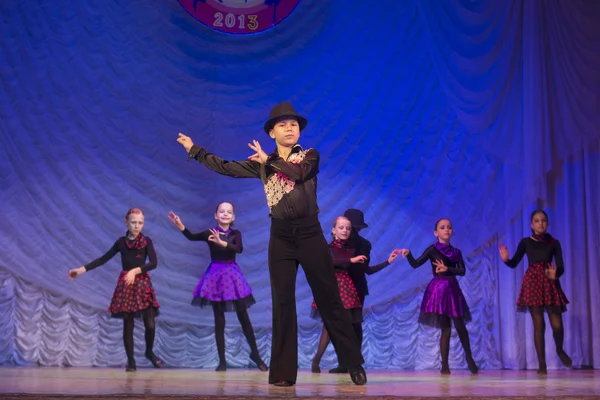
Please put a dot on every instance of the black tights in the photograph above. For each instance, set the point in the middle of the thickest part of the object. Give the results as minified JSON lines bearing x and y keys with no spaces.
{"x":539,"y":330}
{"x":463,"y":335}
{"x":324,"y":341}
{"x":242,"y":315}
{"x":150,"y":330}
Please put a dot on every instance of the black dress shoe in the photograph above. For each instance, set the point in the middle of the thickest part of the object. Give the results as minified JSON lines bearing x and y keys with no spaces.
{"x":283,"y":383}
{"x":339,"y":370}
{"x":358,"y":375}
{"x":131,"y":367}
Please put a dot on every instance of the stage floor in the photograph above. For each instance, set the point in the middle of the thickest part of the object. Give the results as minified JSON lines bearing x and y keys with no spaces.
{"x":242,"y":383}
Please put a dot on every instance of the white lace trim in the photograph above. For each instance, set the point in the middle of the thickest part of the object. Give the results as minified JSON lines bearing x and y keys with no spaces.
{"x":280,"y":184}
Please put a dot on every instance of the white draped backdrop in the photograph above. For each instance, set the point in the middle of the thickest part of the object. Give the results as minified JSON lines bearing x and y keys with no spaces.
{"x":479,"y":111}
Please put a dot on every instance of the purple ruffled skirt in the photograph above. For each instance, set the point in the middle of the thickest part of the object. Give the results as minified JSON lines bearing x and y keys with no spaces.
{"x":224,"y":283}
{"x":443,"y":298}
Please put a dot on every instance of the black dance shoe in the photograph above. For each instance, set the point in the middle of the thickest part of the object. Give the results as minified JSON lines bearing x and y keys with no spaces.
{"x":338,"y":370}
{"x":472,"y":366}
{"x":566,"y":360}
{"x":131,"y":367}
{"x":542,"y":370}
{"x":156,"y":362}
{"x":358,"y":375}
{"x":445,"y":369}
{"x":259,"y":362}
{"x":315,"y":368}
{"x":221,"y":367}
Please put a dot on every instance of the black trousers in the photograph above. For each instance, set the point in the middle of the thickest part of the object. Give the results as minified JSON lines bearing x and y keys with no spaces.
{"x":302,"y":242}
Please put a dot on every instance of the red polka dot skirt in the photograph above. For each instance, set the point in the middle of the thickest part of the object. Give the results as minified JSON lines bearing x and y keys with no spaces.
{"x":537,"y":291}
{"x":348,"y":294}
{"x":134,"y":298}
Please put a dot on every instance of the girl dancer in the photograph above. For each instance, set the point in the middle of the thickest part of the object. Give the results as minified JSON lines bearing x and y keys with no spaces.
{"x":443,"y":301}
{"x":541,"y":289}
{"x":223,"y":285}
{"x":343,"y":255}
{"x":134,"y":295}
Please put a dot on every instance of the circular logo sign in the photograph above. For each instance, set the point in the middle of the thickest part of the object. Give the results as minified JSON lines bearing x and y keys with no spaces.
{"x":240,"y":17}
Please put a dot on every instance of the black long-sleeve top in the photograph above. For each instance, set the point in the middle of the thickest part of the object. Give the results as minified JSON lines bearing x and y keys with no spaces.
{"x":218,"y":252}
{"x":539,"y":252}
{"x":341,"y":257}
{"x":130,"y":258}
{"x":432,"y":254}
{"x":290,"y":185}
{"x":358,"y":272}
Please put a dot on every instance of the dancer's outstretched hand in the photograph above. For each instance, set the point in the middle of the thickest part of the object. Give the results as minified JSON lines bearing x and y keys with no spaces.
{"x":503,"y":252}
{"x":404,"y":252}
{"x":260,"y":156}
{"x":176,"y":221}
{"x":74,"y":273}
{"x":393,"y":255}
{"x":185,"y":141}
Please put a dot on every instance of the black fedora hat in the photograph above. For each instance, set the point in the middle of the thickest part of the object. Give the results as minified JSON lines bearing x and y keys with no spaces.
{"x":356,"y":217}
{"x":284,"y":111}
